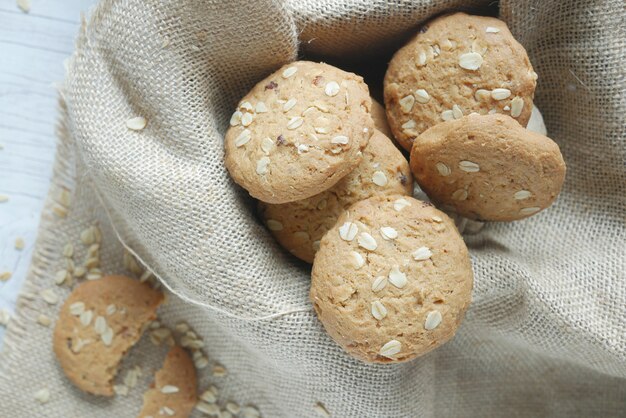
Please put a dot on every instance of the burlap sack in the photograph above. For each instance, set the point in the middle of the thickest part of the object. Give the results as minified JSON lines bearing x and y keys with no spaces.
{"x":546,"y":334}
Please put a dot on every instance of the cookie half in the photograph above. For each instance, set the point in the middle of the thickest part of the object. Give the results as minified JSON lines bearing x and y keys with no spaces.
{"x":488,"y":167}
{"x":299,"y":226}
{"x":298,"y":132}
{"x":392,"y":279}
{"x":457,"y":64}
{"x":98,"y":323}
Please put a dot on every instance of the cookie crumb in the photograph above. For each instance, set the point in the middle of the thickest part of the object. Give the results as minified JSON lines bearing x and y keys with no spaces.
{"x":136,"y":123}
{"x":42,"y":396}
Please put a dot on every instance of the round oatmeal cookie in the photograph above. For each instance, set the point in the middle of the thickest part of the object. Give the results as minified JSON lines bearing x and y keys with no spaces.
{"x":392,"y":279}
{"x":298,"y":132}
{"x":457,"y":64}
{"x":175,"y":387}
{"x":98,"y":323}
{"x":380,"y":119}
{"x":299,"y":226}
{"x":487,"y":167}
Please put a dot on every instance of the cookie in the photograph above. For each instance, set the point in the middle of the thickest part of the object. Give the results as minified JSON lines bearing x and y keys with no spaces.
{"x":98,"y":323}
{"x":298,"y":132}
{"x":380,"y":119}
{"x":392,"y":279}
{"x":174,"y":392}
{"x":488,"y":167}
{"x":299,"y":226}
{"x":457,"y":64}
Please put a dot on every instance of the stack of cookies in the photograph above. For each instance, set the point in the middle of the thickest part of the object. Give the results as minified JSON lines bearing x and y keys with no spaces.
{"x":391,"y":277}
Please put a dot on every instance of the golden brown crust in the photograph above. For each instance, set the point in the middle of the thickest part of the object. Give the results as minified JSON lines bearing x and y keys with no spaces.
{"x":434,"y":76}
{"x":488,"y":167}
{"x":125,"y":306}
{"x":174,"y":388}
{"x":298,"y":133}
{"x":427,"y":250}
{"x":298,"y":226}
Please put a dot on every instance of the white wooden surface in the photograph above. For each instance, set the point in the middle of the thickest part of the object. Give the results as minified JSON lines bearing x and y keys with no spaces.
{"x":32,"y":49}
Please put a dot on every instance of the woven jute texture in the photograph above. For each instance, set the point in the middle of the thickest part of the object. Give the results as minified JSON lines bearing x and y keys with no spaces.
{"x":546,"y":333}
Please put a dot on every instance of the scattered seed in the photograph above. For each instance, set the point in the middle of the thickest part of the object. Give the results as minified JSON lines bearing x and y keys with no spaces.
{"x":367,"y":241}
{"x":107,"y":336}
{"x":77,"y":308}
{"x":406,"y":103}
{"x":340,"y":139}
{"x":289,"y":104}
{"x":100,"y":325}
{"x":5,"y":276}
{"x":49,"y":296}
{"x":348,"y":231}
{"x":274,"y":225}
{"x":379,"y":283}
{"x":437,"y":219}
{"x":68,"y":250}
{"x":219,"y":371}
{"x":457,"y":113}
{"x":19,"y":243}
{"x":471,"y":61}
{"x":397,"y":278}
{"x":246,"y":119}
{"x":505,"y":108}
{"x":421,"y":254}
{"x":60,"y":211}
{"x":44,"y":320}
{"x":5,"y":317}
{"x":121,"y":390}
{"x":517,"y":104}
{"x":491,"y":29}
{"x":522,"y":194}
{"x":167,"y":389}
{"x":390,"y":349}
{"x":469,"y":166}
{"x":42,"y":395}
{"x":243,"y":138}
{"x":443,"y":169}
{"x":250,"y":412}
{"x":378,"y":310}
{"x":447,"y":115}
{"x":400,"y":204}
{"x":87,"y":236}
{"x":233,"y":408}
{"x":331,"y":89}
{"x":482,"y":95}
{"x":288,"y":72}
{"x":500,"y":94}
{"x":357,"y":260}
{"x":261,"y":165}
{"x":388,"y":233}
{"x":460,"y":194}
{"x":433,"y":319}
{"x":60,"y":277}
{"x":422,"y":96}
{"x":295,"y":122}
{"x":379,"y":178}
{"x":529,"y":211}
{"x":209,"y":409}
{"x":235,"y":119}
{"x":321,"y":410}
{"x":409,"y":124}
{"x":137,"y":123}
{"x":246,"y":106}
{"x":167,"y":411}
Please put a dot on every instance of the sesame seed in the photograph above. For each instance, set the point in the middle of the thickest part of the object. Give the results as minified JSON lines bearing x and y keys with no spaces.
{"x":357,"y":260}
{"x":471,"y":61}
{"x":422,"y":96}
{"x":378,"y":310}
{"x":500,"y":94}
{"x":169,"y":389}
{"x":348,"y":231}
{"x":397,"y":278}
{"x":331,"y":89}
{"x":209,"y":409}
{"x":137,"y":123}
{"x":77,"y":308}
{"x":410,"y":124}
{"x":522,"y":194}
{"x":421,"y":58}
{"x":19,"y":243}
{"x":243,"y":138}
{"x":261,"y":165}
{"x":42,"y":395}
{"x":85,"y":317}
{"x":208,"y":396}
{"x":288,"y":72}
{"x":443,"y":169}
{"x":433,"y":319}
{"x":457,"y":113}
{"x":44,"y":320}
{"x":340,"y":139}
{"x":219,"y":371}
{"x":321,"y":410}
{"x":406,"y":103}
{"x":388,"y":233}
{"x":367,"y":241}
{"x":49,"y":296}
{"x":517,"y":104}
{"x":379,"y":178}
{"x":482,"y":95}
{"x":5,"y":276}
{"x":469,"y":167}
{"x":491,"y":29}
{"x":167,"y":411}
{"x":400,"y":204}
{"x":289,"y":104}
{"x":421,"y":254}
{"x":107,"y":336}
{"x":390,"y":349}
{"x":246,"y":119}
{"x":260,"y":107}
{"x":529,"y":211}
{"x":460,"y":194}
{"x":295,"y":122}
{"x":235,"y":119}
{"x":274,"y":225}
{"x":447,"y":115}
{"x":379,"y":283}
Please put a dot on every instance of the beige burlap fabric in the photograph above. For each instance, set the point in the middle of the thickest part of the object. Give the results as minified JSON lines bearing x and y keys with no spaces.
{"x":546,"y":334}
